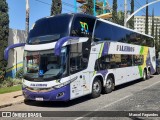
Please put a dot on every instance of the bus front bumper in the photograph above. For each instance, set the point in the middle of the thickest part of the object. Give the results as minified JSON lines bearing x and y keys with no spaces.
{"x":61,"y":94}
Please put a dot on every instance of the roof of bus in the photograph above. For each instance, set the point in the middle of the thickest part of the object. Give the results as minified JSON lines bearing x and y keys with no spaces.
{"x":106,"y":21}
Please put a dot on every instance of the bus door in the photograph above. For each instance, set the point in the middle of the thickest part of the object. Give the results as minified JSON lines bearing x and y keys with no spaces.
{"x":79,"y":57}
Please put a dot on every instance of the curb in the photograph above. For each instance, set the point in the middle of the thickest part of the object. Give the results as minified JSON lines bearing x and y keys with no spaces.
{"x":10,"y":104}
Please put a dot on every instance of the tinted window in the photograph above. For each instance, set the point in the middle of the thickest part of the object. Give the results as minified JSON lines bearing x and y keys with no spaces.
{"x":50,"y":29}
{"x":82,"y":26}
{"x":138,"y":60}
{"x":105,"y":31}
{"x":118,"y":61}
{"x":79,"y":56}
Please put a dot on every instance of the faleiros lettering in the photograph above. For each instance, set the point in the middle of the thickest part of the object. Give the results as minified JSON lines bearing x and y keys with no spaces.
{"x":125,"y":48}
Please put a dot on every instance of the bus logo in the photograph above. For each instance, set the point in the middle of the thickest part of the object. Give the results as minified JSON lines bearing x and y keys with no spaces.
{"x":84,"y":27}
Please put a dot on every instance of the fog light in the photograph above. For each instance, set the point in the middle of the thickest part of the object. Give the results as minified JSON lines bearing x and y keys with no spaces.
{"x":60,"y":95}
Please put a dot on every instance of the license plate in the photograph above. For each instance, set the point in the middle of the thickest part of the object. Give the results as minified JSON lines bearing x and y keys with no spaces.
{"x":39,"y":99}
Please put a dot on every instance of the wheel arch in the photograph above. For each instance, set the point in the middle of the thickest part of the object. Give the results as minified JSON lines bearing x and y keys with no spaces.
{"x":100,"y":77}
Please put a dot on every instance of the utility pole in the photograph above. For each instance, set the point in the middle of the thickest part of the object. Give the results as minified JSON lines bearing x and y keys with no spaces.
{"x":125,"y":12}
{"x":27,"y":16}
{"x":104,"y":6}
{"x":75,"y":6}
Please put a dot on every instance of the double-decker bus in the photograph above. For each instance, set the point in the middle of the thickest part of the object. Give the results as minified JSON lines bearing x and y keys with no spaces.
{"x":71,"y":55}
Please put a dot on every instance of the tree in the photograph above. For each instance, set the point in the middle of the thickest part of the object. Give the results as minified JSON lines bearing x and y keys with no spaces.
{"x":159,"y":38}
{"x":90,"y":6}
{"x":152,"y":29}
{"x":114,"y":12}
{"x":146,"y":22}
{"x":56,"y":7}
{"x":4,"y":32}
{"x":156,"y":36}
{"x":87,"y":8}
{"x":120,"y":16}
{"x":131,"y":22}
{"x":100,"y":5}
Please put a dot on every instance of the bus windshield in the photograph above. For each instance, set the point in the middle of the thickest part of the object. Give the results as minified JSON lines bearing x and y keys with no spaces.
{"x":50,"y":29}
{"x":44,"y":65}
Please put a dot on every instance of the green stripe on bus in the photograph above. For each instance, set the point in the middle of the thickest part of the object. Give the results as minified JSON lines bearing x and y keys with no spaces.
{"x":142,"y":49}
{"x":101,"y":49}
{"x":94,"y":73}
{"x":140,"y":70}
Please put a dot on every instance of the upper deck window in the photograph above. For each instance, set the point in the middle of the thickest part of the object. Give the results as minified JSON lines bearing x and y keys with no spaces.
{"x":82,"y":26}
{"x":50,"y":29}
{"x":108,"y":32}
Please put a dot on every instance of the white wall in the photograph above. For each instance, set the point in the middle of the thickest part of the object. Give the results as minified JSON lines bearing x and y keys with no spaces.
{"x":15,"y":36}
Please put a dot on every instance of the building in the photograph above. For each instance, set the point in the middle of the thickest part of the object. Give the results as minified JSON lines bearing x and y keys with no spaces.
{"x":139,"y":24}
{"x":15,"y":57}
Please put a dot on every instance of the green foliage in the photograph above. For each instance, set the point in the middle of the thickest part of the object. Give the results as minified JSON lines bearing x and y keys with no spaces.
{"x":156,"y":35}
{"x":146,"y":22}
{"x":152,"y":29}
{"x":114,"y":12}
{"x":10,"y":89}
{"x":4,"y":31}
{"x":159,"y":38}
{"x":2,"y":73}
{"x":8,"y":82}
{"x":100,"y":4}
{"x":156,"y":41}
{"x":19,"y":73}
{"x":120,"y":17}
{"x":90,"y":6}
{"x":56,"y":7}
{"x":131,"y":22}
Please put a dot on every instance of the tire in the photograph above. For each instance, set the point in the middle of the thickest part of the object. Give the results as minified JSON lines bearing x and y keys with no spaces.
{"x":149,"y":74}
{"x":96,"y":88}
{"x":144,"y":75}
{"x":157,"y":71}
{"x":109,"y":87}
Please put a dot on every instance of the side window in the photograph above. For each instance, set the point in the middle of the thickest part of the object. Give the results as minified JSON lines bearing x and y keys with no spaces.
{"x":120,"y":34}
{"x":126,"y":60}
{"x":108,"y":62}
{"x":138,"y":60}
{"x":113,"y":61}
{"x":103,"y":31}
{"x":82,"y":27}
{"x":79,"y":56}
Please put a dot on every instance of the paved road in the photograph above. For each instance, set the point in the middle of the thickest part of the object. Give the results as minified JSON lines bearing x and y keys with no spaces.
{"x":134,"y":96}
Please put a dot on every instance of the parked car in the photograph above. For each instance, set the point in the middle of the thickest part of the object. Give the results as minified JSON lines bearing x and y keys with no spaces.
{"x":158,"y":66}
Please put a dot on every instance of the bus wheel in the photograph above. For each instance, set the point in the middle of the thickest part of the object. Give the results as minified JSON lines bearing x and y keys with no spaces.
{"x":149,"y":74}
{"x":96,"y":88}
{"x":109,"y":85}
{"x":144,"y":75}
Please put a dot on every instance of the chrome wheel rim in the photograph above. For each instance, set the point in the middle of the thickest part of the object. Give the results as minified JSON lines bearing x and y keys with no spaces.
{"x":96,"y":87}
{"x":109,"y":83}
{"x":144,"y":75}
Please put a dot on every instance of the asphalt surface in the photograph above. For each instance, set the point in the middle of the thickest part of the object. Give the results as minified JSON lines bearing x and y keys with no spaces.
{"x":134,"y":97}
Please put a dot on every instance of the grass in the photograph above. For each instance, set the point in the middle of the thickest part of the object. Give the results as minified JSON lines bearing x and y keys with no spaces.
{"x":10,"y":89}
